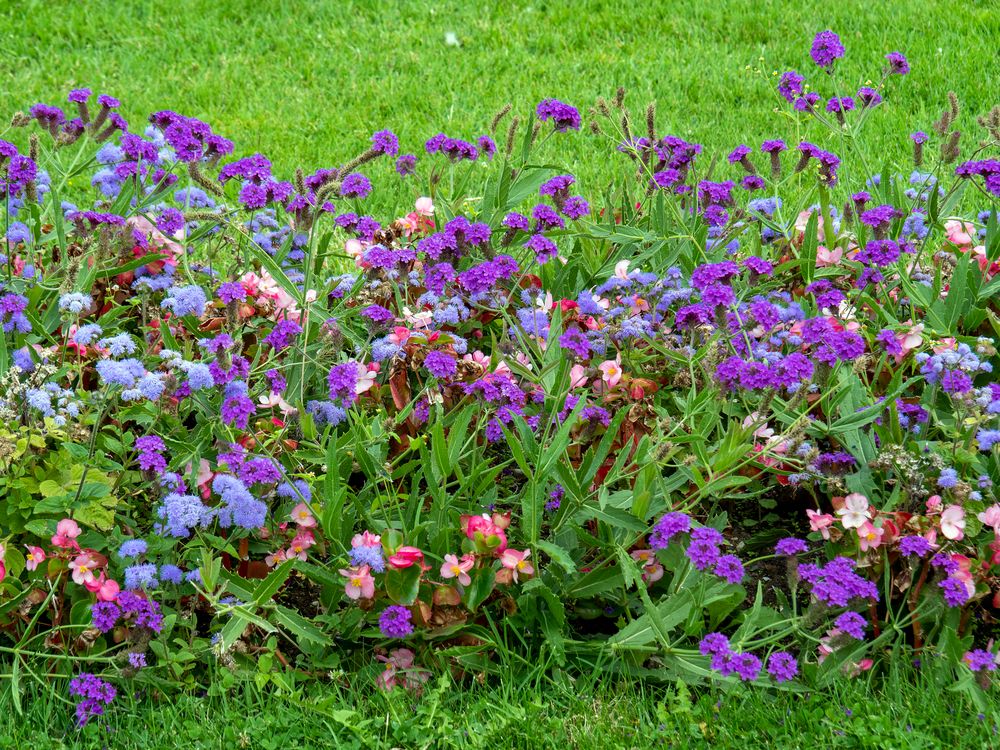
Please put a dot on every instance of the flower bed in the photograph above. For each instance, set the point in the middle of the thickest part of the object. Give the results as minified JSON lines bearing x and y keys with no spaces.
{"x":719,"y":420}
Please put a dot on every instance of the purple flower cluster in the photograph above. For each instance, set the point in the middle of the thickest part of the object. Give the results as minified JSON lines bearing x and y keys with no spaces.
{"x":95,"y":695}
{"x":131,"y":608}
{"x":836,"y":584}
{"x":395,"y":621}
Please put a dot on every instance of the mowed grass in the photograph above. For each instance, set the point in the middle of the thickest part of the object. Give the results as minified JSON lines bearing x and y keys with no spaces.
{"x":307,"y":83}
{"x":907,"y":711}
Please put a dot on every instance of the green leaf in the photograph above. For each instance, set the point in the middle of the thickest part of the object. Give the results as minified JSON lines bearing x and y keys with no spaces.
{"x":558,"y":555}
{"x":403,"y":584}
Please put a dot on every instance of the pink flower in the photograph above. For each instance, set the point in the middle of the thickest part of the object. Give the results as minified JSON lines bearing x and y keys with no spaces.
{"x":870,"y":536}
{"x":34,"y":558}
{"x":820,"y":522}
{"x":302,"y":542}
{"x":826,"y":257}
{"x":424,"y":206}
{"x":577,"y":376}
{"x":991,"y":517}
{"x":485,"y":532}
{"x":611,"y":371}
{"x":621,"y":269}
{"x":303,"y":516}
{"x":959,"y":233}
{"x":652,"y":571}
{"x":366,"y":539}
{"x":517,"y":562}
{"x":3,"y":568}
{"x":67,"y":531}
{"x":366,"y":377}
{"x":83,"y":567}
{"x":953,"y":522}
{"x":911,"y":339}
{"x":455,"y":568}
{"x":404,"y":557}
{"x":360,"y":584}
{"x":108,"y":590}
{"x":275,"y":558}
{"x":855,"y":511}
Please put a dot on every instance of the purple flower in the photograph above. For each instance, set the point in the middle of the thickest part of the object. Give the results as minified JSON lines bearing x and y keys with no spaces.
{"x":395,"y":621}
{"x":283,"y":334}
{"x":342,"y":381}
{"x":826,"y":49}
{"x":955,"y":592}
{"x":869,"y":97}
{"x":703,"y":553}
{"x":919,"y":137}
{"x":95,"y":694}
{"x":980,"y":660}
{"x":564,"y":117}
{"x":355,"y":185}
{"x":442,"y":366}
{"x":232,"y":291}
{"x":747,"y":666}
{"x":851,"y":623}
{"x":790,"y":85}
{"x":669,"y":526}
{"x":406,"y":165}
{"x":385,"y":142}
{"x":791,"y":546}
{"x":898,"y":64}
{"x":714,"y":643}
{"x":544,"y":248}
{"x":782,"y":666}
{"x":729,"y":568}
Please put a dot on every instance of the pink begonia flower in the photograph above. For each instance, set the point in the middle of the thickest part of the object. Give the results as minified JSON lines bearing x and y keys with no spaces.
{"x":621,"y":269}
{"x":652,"y":571}
{"x":302,"y":542}
{"x":366,"y":377}
{"x":911,"y":339}
{"x":83,"y":567}
{"x":517,"y":562}
{"x":826,"y":257}
{"x":360,"y":584}
{"x":577,"y":376}
{"x":991,"y":518}
{"x":611,"y":371}
{"x":404,"y":557}
{"x":34,"y":558}
{"x":953,"y":522}
{"x":274,"y":400}
{"x":109,"y":590}
{"x":67,"y":530}
{"x":302,"y":516}
{"x":959,"y":233}
{"x":424,"y":206}
{"x":275,"y":558}
{"x":399,"y":664}
{"x":933,"y":503}
{"x":855,"y":511}
{"x":366,"y":539}
{"x":487,"y":527}
{"x":455,"y":568}
{"x":870,"y":536}
{"x":820,"y":522}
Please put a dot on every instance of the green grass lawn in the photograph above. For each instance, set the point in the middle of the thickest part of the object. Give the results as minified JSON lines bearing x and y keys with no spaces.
{"x":901,"y":712}
{"x":306,"y":83}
